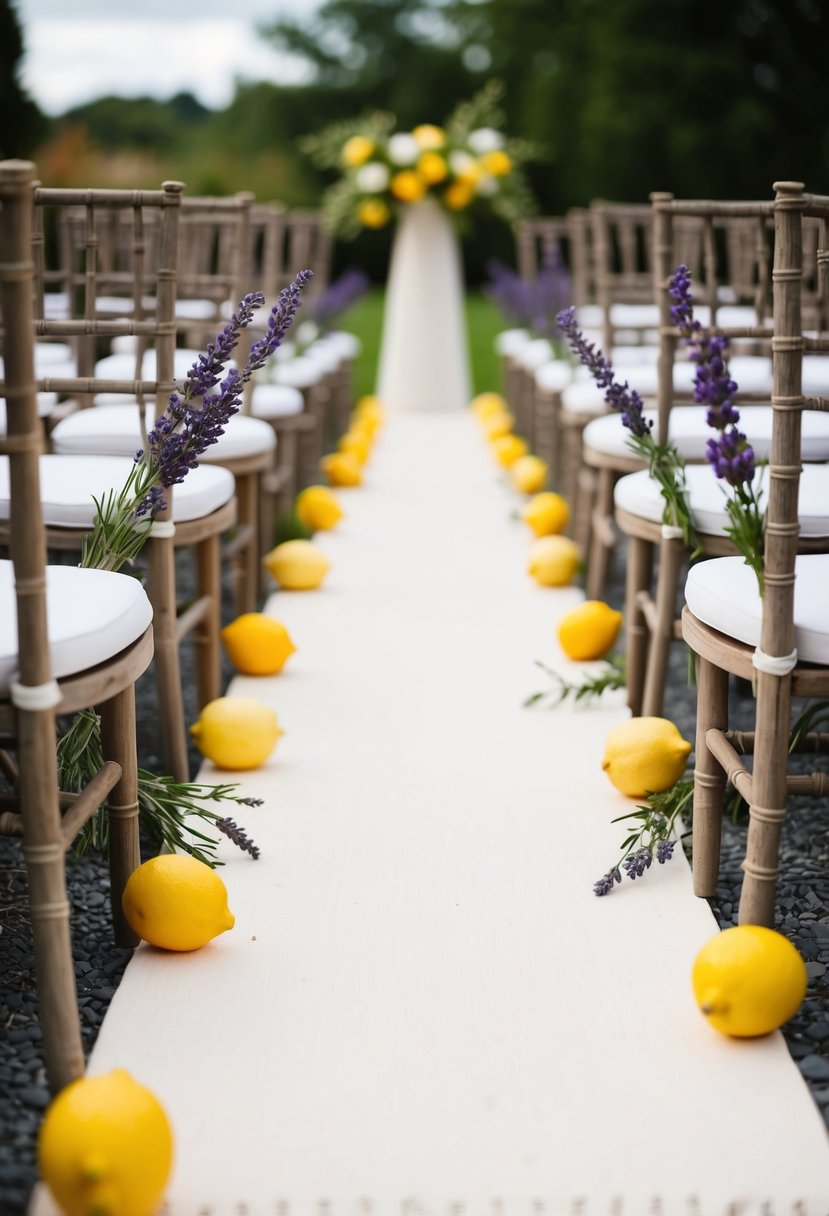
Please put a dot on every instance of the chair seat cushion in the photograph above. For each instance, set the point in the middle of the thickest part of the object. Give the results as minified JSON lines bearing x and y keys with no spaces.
{"x":46,"y":402}
{"x":51,"y":359}
{"x":347,"y":345}
{"x":723,"y":594}
{"x":121,"y":366}
{"x":326,"y":355}
{"x":113,"y":430}
{"x":638,"y":494}
{"x":303,"y":372}
{"x":276,"y":401}
{"x":69,"y":483}
{"x":689,"y":432}
{"x":534,"y":354}
{"x":508,"y":341}
{"x":554,"y":375}
{"x":92,"y":615}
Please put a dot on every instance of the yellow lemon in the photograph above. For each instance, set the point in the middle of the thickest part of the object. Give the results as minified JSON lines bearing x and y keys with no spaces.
{"x":342,"y":469}
{"x":486,"y":404}
{"x":529,"y":474}
{"x":458,"y":195}
{"x":496,"y":163}
{"x":364,"y":424}
{"x":369,"y":404}
{"x":357,"y":150}
{"x":429,"y":136}
{"x":748,"y":981}
{"x":236,"y":732}
{"x":317,"y":508}
{"x":373,"y":213}
{"x":432,"y":167}
{"x":407,"y":186}
{"x":546,"y":513}
{"x":257,"y":645}
{"x":509,"y":448}
{"x":553,"y":561}
{"x":105,"y":1147}
{"x":176,"y":902}
{"x":589,"y":631}
{"x":297,"y":565}
{"x":357,"y":445}
{"x":645,"y":756}
{"x":498,"y":424}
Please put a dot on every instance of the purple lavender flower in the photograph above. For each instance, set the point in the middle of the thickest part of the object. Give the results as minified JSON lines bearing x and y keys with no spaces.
{"x":635,"y":865}
{"x":530,"y":303}
{"x":619,"y":397}
{"x":605,"y":884}
{"x":664,"y":851}
{"x":279,"y":322}
{"x":339,"y":296}
{"x":230,"y":828}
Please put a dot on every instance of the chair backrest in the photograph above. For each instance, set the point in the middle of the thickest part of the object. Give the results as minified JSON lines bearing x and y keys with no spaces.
{"x":565,"y":238}
{"x":285,"y":242}
{"x":214,"y":251}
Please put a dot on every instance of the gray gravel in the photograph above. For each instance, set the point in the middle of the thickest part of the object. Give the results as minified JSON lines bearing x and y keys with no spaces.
{"x":803,"y":915}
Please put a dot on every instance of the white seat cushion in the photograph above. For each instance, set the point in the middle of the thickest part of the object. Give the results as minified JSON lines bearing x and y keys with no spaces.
{"x":55,"y":305}
{"x":689,"y":432}
{"x":590,"y":316}
{"x":276,"y":401}
{"x":508,"y":341}
{"x":113,"y":430}
{"x":583,"y":397}
{"x":638,"y":494}
{"x":51,"y":360}
{"x":325,"y":354}
{"x":92,"y":615}
{"x":197,"y":310}
{"x":348,"y":345}
{"x":534,"y":354}
{"x":633,"y":356}
{"x":69,"y":483}
{"x":121,"y":366}
{"x":46,"y":402}
{"x":554,"y":376}
{"x":816,"y":375}
{"x":302,"y":372}
{"x":723,"y":593}
{"x":123,"y":305}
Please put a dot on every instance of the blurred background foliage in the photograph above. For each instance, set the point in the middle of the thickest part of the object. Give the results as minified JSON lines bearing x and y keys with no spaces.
{"x":701,"y":97}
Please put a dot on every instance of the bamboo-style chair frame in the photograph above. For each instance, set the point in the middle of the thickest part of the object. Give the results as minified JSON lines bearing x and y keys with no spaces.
{"x":768,"y":786}
{"x":46,"y":834}
{"x":203,"y":616}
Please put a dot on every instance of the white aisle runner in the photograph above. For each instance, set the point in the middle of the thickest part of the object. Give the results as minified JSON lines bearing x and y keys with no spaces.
{"x":423,"y":1008}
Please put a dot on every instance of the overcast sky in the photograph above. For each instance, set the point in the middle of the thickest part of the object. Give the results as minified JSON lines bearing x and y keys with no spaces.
{"x":77,"y":50}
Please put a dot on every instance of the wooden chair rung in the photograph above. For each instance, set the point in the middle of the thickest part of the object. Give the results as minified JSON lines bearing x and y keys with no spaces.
{"x":729,"y":760}
{"x":93,"y":795}
{"x":193,"y":615}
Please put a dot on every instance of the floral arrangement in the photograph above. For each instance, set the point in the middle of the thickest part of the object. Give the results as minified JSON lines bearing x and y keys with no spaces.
{"x":531,"y":304}
{"x":466,"y":165}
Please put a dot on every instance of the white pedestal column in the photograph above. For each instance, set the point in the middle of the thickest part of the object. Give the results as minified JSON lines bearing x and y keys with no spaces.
{"x":424,"y":357}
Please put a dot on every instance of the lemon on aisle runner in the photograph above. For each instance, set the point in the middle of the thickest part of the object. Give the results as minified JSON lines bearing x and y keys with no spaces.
{"x":297,"y":565}
{"x":589,"y":631}
{"x":553,"y":561}
{"x":342,"y":469}
{"x":748,"y":981}
{"x":317,"y":508}
{"x":105,"y":1147}
{"x":645,"y":756}
{"x":498,"y":424}
{"x":508,"y":448}
{"x":529,"y":473}
{"x":257,"y":645}
{"x":236,"y":732}
{"x":176,"y":903}
{"x":355,"y":444}
{"x":486,"y":404}
{"x":546,"y":514}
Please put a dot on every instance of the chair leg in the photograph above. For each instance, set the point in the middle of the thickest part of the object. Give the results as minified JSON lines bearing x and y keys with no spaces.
{"x":768,"y":800}
{"x":639,"y":574}
{"x":247,"y":559}
{"x":118,"y":742}
{"x":602,"y":536}
{"x":161,"y":588}
{"x":671,"y":554}
{"x":208,"y":650}
{"x":709,"y":777}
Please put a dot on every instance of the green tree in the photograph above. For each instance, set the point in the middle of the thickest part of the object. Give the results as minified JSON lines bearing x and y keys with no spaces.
{"x":22,"y":125}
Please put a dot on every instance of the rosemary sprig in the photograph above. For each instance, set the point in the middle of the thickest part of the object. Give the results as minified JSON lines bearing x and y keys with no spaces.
{"x":591,"y":686}
{"x":167,"y":808}
{"x":652,"y":834}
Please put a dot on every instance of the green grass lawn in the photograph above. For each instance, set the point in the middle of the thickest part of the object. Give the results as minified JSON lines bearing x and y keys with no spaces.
{"x":483,"y":322}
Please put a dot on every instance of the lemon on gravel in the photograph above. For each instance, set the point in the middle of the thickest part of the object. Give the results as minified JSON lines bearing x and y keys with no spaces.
{"x":645,"y":756}
{"x":509,"y":448}
{"x":486,"y":404}
{"x":546,"y":513}
{"x":342,"y":469}
{"x":748,"y":981}
{"x":498,"y":424}
{"x":589,"y":631}
{"x":355,"y":444}
{"x":553,"y":561}
{"x":236,"y":732}
{"x":297,"y":565}
{"x":317,"y":508}
{"x":529,"y":474}
{"x":176,"y":902}
{"x":105,"y":1147}
{"x":257,"y":645}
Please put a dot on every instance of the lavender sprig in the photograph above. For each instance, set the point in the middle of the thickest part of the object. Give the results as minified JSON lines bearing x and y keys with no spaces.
{"x":653,"y":835}
{"x":730,"y":454}
{"x":532,"y":304}
{"x":230,"y":828}
{"x":664,"y":462}
{"x":339,"y":296}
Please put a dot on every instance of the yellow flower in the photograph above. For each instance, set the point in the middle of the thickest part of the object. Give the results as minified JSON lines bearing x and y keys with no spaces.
{"x":357,"y":150}
{"x":458,"y":195}
{"x":498,"y":163}
{"x":373,"y":213}
{"x":432,"y":167}
{"x":407,"y":186}
{"x":428,"y":136}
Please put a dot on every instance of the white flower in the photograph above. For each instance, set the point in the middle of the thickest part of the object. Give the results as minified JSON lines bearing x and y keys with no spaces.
{"x":487,"y":185}
{"x":372,"y":179}
{"x":461,"y":162}
{"x":403,"y":148}
{"x":485,"y":139}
